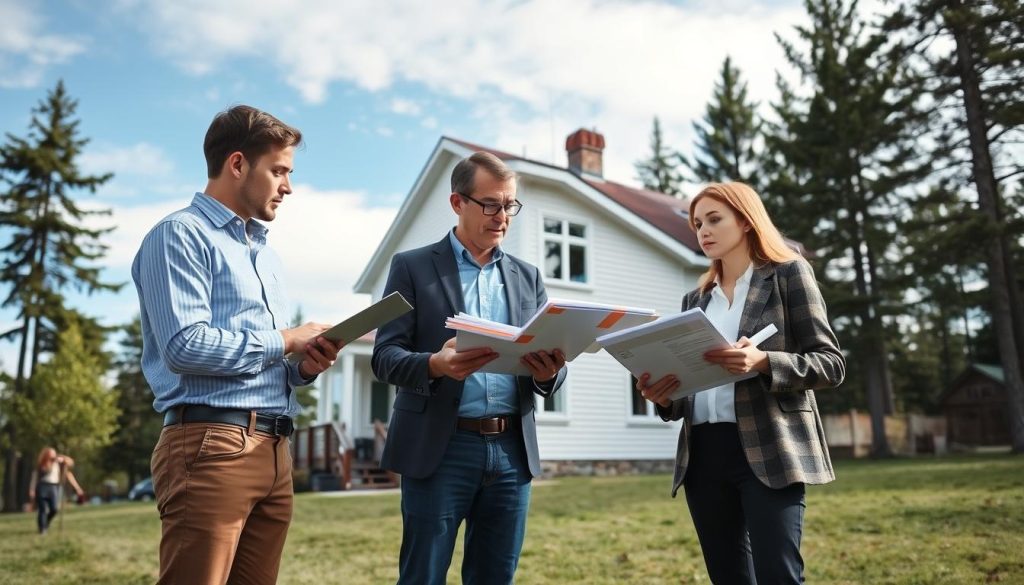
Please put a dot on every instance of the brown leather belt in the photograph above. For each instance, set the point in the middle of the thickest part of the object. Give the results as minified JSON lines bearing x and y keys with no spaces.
{"x":494,"y":425}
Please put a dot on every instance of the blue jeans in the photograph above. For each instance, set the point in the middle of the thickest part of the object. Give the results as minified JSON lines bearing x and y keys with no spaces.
{"x":47,"y":502}
{"x":749,"y":533}
{"x":484,"y":480}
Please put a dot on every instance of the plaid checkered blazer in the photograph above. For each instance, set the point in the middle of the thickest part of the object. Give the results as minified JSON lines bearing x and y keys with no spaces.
{"x":778,"y":419}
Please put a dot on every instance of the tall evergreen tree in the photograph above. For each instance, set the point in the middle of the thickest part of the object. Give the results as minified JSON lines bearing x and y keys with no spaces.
{"x":979,"y":87}
{"x":944,"y":255}
{"x":659,"y":172}
{"x":48,"y":249}
{"x":727,"y":139}
{"x":138,"y":425}
{"x":843,"y":152}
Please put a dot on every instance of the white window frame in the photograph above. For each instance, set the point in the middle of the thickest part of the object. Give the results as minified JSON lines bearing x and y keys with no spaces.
{"x":650,"y":418}
{"x":555,"y":417}
{"x":565,"y":240}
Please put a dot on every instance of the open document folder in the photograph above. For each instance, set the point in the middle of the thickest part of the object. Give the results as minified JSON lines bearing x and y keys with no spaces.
{"x":571,"y":326}
{"x":390,"y":307}
{"x":676,"y":344}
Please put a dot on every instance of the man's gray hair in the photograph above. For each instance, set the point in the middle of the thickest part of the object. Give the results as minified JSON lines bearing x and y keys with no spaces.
{"x":465,"y":171}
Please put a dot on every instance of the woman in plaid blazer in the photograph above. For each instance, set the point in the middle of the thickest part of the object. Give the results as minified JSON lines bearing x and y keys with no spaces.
{"x":747,"y":449}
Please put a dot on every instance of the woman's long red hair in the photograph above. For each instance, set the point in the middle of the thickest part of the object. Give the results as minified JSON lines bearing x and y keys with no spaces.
{"x":42,"y":456}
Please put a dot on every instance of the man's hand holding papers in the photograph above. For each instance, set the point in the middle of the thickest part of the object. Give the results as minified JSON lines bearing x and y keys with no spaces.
{"x":458,"y":365}
{"x":544,"y":365}
{"x":559,"y":332}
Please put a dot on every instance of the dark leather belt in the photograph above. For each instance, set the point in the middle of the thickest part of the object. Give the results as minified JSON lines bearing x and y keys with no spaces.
{"x":279,"y":426}
{"x":494,"y":425}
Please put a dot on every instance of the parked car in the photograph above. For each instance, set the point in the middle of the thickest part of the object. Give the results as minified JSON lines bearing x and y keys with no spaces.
{"x":142,"y":491}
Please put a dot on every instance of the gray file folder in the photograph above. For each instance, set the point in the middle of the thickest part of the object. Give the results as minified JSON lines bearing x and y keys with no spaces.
{"x":390,"y":307}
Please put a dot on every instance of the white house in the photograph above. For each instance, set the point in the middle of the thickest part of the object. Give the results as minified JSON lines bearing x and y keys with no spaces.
{"x":594,"y":240}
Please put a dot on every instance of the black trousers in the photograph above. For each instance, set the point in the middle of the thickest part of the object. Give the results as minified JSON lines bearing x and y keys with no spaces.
{"x":749,"y":533}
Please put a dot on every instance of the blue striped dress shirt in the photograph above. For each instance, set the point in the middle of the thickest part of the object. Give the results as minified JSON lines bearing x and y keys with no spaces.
{"x":483,"y":292}
{"x":213,"y":302}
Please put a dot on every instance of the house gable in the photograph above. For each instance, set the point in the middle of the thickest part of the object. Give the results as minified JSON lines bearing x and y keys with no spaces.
{"x":660,"y":223}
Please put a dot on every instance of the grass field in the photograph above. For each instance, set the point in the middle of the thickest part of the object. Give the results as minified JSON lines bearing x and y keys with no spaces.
{"x":949,"y":520}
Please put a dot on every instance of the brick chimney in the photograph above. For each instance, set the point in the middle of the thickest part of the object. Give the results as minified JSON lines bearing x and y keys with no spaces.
{"x":584,"y":148}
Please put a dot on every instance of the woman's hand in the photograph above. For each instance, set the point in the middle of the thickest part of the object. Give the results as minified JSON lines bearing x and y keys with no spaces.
{"x":742,"y":358}
{"x":661,"y":391}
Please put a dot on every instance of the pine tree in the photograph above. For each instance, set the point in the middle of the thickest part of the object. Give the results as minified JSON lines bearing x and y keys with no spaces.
{"x":729,"y":134}
{"x":978,"y":86}
{"x":138,"y":425}
{"x":945,"y":255}
{"x":843,"y":152}
{"x":659,"y":172}
{"x":48,"y":249}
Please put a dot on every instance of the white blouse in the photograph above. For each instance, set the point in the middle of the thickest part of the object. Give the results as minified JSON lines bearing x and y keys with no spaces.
{"x":718,"y":404}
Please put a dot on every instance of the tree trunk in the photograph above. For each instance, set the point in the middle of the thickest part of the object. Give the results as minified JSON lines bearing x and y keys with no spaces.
{"x":1016,"y":301}
{"x":11,"y":503}
{"x":25,"y":467}
{"x":40,"y":266}
{"x":880,"y":347}
{"x":874,"y":379}
{"x":990,"y":205}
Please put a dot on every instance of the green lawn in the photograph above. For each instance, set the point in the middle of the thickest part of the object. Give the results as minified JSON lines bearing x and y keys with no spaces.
{"x":950,"y":520}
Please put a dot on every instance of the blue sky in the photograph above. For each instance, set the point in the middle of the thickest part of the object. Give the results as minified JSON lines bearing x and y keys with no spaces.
{"x":373,"y":85}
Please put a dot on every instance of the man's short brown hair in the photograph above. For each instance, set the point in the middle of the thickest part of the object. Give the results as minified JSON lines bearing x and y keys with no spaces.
{"x":247,"y":130}
{"x":465,"y":171}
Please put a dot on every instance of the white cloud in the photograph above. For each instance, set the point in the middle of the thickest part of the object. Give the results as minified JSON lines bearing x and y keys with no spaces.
{"x":326,"y":239}
{"x":405,"y":107}
{"x":138,"y":160}
{"x":26,"y":51}
{"x":139,"y":169}
{"x":613,"y":64}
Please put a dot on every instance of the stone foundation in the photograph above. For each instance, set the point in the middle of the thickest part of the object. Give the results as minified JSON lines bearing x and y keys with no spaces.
{"x":603,"y":468}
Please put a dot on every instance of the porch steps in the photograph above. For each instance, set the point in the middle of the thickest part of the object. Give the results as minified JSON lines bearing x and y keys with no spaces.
{"x":368,"y":475}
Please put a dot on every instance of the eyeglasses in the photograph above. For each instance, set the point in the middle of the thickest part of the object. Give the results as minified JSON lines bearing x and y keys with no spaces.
{"x":493,"y":208}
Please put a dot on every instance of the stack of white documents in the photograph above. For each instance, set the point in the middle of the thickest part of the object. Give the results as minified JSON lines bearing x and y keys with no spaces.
{"x":571,"y":326}
{"x":676,"y":344}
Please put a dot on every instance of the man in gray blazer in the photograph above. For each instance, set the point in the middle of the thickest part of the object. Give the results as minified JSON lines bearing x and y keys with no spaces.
{"x":464,"y":442}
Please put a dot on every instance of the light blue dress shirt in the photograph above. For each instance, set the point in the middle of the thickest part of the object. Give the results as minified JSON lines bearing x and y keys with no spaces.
{"x":212,"y":302}
{"x":483,"y":292}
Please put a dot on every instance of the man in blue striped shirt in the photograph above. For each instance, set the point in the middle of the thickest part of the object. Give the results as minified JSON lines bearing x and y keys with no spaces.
{"x":214,"y":344}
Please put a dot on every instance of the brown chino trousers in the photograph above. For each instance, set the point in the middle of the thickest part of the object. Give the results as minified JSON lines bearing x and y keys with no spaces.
{"x":225,"y":499}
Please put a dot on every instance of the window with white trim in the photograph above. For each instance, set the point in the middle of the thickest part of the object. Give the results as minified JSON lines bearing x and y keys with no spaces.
{"x":554,"y":404}
{"x":553,"y":407}
{"x":638,"y":405}
{"x":565,"y":250}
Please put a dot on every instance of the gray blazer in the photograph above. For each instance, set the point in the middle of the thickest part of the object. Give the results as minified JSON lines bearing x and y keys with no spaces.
{"x":425,"y":411}
{"x":778,"y":419}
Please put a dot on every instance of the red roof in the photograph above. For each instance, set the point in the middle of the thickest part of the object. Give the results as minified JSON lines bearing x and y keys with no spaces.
{"x":668,"y":214}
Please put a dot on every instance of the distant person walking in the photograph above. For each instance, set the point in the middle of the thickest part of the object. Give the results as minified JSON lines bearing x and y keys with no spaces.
{"x":45,"y":486}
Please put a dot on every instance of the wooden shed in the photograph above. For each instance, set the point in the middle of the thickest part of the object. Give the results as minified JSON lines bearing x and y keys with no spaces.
{"x":976,"y":405}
